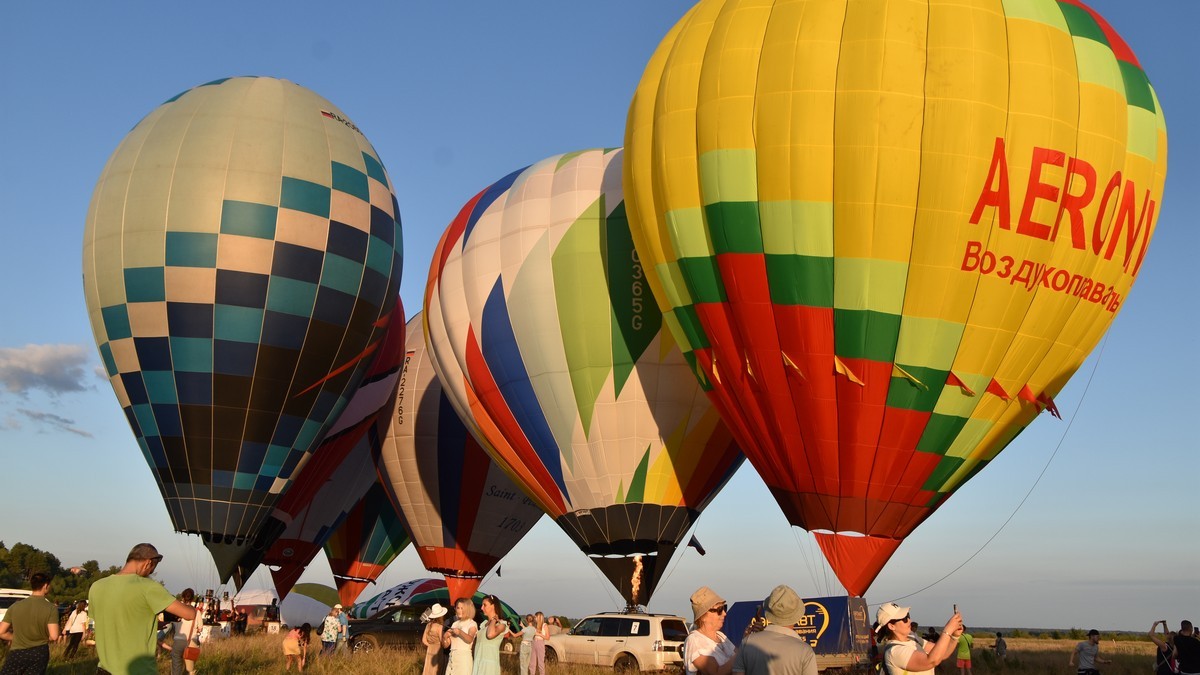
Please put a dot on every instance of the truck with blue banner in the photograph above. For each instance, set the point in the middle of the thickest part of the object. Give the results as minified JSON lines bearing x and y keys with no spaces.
{"x":836,"y":627}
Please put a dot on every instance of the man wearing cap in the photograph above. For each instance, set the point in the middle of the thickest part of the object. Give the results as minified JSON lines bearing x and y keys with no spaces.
{"x":901,"y":651}
{"x":125,"y":607}
{"x":777,"y":649}
{"x":707,"y":651}
{"x":344,"y":633}
{"x":1088,"y":652}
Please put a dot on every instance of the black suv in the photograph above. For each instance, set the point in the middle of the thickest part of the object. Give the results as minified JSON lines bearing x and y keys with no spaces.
{"x":396,"y":626}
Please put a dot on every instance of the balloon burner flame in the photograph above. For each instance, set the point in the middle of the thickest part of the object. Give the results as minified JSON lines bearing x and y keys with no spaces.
{"x":635,"y":581}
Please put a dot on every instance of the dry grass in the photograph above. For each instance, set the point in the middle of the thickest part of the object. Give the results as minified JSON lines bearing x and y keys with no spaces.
{"x":255,"y":654}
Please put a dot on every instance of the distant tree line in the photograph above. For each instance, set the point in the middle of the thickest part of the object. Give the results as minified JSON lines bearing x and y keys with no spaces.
{"x":19,"y":563}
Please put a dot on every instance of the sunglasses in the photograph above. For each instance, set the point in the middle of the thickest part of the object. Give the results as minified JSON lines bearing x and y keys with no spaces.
{"x":719,"y":609}
{"x":906,"y":618}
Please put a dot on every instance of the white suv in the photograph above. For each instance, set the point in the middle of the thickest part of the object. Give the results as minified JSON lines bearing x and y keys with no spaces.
{"x":626,"y":642}
{"x":9,"y":597}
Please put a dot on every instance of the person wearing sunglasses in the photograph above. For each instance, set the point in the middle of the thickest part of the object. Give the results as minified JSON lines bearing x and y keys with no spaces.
{"x":901,"y":653}
{"x":707,"y":651}
{"x":125,"y":607}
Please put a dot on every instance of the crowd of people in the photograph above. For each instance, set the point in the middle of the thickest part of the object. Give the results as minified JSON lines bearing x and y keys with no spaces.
{"x":124,"y":609}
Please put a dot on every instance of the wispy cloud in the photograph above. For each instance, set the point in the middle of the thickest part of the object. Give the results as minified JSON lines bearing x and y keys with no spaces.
{"x":52,"y":421}
{"x":53,"y":369}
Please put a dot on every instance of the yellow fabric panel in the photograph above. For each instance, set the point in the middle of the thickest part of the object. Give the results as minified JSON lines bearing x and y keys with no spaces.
{"x":794,"y":119}
{"x":977,"y":427}
{"x":927,"y":342}
{"x":870,"y":284}
{"x":967,"y":51}
{"x":118,"y":386}
{"x":641,"y":207}
{"x":797,"y":228}
{"x":877,"y":130}
{"x":728,"y":176}
{"x":148,"y":249}
{"x":125,"y":353}
{"x":725,"y":96}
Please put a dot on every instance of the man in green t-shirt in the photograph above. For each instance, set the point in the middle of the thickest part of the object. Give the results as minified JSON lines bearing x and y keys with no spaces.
{"x":31,"y":625}
{"x":125,"y":607}
{"x":964,"y":653}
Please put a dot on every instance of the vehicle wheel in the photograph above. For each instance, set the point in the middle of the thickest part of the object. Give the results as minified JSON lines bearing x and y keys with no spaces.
{"x":551,"y":657}
{"x":364,"y":644}
{"x":626,"y":664}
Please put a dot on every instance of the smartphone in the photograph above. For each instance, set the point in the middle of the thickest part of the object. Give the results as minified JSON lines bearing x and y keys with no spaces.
{"x":956,"y":608}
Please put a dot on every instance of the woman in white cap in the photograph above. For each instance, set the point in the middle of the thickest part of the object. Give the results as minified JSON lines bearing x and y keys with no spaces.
{"x":901,"y":653}
{"x":432,"y":639}
{"x":707,"y":651}
{"x":460,"y":638}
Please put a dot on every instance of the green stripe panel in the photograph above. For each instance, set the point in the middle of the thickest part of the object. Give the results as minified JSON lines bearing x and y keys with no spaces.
{"x":636,"y":319}
{"x":1137,"y":86}
{"x":342,"y":274}
{"x":290,"y":296}
{"x":1036,"y":10}
{"x":192,"y":355}
{"x":191,"y":249}
{"x":145,"y":284}
{"x":734,"y":227}
{"x":637,"y":483}
{"x":583,"y":311}
{"x":160,"y":386}
{"x":703,"y":279}
{"x":940,"y":433}
{"x":248,"y":219}
{"x":106,"y":355}
{"x":800,"y":280}
{"x":116,"y":322}
{"x":374,"y":168}
{"x":304,"y":196}
{"x":1081,"y":23}
{"x":904,"y":393}
{"x":351,"y":181}
{"x":1143,"y":133}
{"x":945,"y":468}
{"x":689,"y":321}
{"x":801,"y":228}
{"x":380,"y":255}
{"x":237,"y":324}
{"x":859,"y":334}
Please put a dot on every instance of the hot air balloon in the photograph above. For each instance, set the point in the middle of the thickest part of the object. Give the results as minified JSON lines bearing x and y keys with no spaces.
{"x":541,"y":325}
{"x":887,"y":233}
{"x":241,"y":247}
{"x":368,"y":540}
{"x":342,"y":470}
{"x":461,"y":510}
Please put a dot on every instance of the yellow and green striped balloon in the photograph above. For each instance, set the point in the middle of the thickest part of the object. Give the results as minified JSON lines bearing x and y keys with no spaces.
{"x":886,"y":233}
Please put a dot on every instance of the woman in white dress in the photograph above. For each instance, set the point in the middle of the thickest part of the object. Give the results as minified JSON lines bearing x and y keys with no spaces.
{"x":460,"y":637}
{"x":707,"y":651}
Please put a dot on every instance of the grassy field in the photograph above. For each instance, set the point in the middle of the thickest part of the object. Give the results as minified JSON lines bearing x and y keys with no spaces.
{"x":263,"y":654}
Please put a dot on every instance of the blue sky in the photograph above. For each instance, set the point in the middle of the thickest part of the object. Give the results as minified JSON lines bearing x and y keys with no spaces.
{"x":455,"y":95}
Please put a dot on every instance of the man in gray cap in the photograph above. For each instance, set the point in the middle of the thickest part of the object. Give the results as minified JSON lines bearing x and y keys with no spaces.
{"x":125,"y":607}
{"x":777,"y":649}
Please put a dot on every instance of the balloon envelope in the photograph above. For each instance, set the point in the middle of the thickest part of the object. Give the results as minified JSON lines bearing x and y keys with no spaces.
{"x":887,"y":233}
{"x":542,"y":327}
{"x":462,"y":511}
{"x":240,"y":248}
{"x":367,"y":541}
{"x":424,"y":591}
{"x":342,"y":470}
